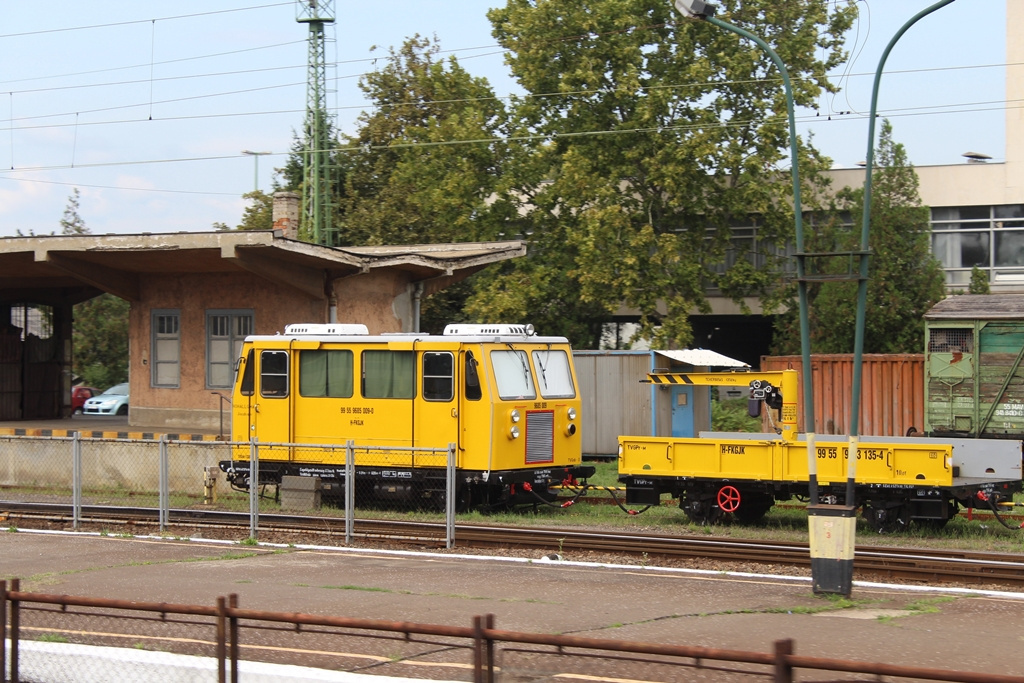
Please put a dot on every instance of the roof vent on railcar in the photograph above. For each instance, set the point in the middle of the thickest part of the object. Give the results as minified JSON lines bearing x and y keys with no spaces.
{"x":321,"y":329}
{"x":471,"y":329}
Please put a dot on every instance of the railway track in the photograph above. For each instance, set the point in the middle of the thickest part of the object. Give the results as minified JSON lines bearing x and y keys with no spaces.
{"x":875,"y":563}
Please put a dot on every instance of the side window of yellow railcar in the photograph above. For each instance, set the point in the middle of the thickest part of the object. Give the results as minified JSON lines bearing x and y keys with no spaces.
{"x":512,"y":375}
{"x":554,"y":373}
{"x":273,"y":374}
{"x":326,"y":373}
{"x":389,"y":374}
{"x":438,"y":376}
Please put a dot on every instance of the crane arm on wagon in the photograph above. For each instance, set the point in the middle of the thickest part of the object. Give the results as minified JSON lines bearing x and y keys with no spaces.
{"x":777,"y":389}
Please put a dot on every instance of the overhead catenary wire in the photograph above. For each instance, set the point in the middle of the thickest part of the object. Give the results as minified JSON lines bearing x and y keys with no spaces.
{"x":915,"y":111}
{"x":484,"y":140}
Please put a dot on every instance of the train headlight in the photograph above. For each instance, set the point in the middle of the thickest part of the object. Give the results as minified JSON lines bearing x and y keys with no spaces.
{"x":513,"y":432}
{"x":514,"y":416}
{"x":571,"y":413}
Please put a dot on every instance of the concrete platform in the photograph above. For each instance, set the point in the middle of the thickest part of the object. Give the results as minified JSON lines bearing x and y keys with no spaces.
{"x":918,"y":626}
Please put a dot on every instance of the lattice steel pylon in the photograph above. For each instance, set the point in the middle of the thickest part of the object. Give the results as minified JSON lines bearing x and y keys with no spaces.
{"x":316,"y":225}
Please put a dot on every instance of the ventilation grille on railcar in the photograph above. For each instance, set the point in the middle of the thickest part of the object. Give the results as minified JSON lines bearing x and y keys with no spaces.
{"x":540,"y":436}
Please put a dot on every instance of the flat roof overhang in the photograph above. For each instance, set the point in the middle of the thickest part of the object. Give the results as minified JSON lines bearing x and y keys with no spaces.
{"x":72,"y":268}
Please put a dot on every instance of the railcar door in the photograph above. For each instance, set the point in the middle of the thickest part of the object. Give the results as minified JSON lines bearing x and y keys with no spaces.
{"x":271,"y":414}
{"x":436,"y":413}
{"x":476,"y":422}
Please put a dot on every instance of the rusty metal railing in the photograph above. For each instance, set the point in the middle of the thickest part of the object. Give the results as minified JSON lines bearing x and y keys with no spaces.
{"x":481,"y":639}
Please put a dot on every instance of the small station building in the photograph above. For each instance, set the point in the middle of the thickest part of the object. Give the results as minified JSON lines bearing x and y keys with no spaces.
{"x":194,"y":297}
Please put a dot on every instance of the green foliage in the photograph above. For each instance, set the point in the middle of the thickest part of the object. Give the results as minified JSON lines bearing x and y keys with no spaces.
{"x":71,"y":223}
{"x":258,"y":214}
{"x":979,"y":282}
{"x":731,"y":415}
{"x":100,"y":341}
{"x":100,"y":326}
{"x":904,"y":279}
{"x":413,"y":173}
{"x":635,"y":162}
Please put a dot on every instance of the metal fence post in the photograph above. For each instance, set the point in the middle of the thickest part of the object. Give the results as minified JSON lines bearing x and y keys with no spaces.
{"x":3,"y":630}
{"x":222,"y":649}
{"x":165,"y":494}
{"x":76,"y":481}
{"x":15,"y":626}
{"x":450,"y":496}
{"x":254,"y":488}
{"x":233,"y":636}
{"x":350,"y":489}
{"x":783,"y":670}
{"x":483,"y":650}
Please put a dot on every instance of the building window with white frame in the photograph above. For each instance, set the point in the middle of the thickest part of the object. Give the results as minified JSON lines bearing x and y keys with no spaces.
{"x":987,"y":237}
{"x":165,"y":343}
{"x":225,"y":331}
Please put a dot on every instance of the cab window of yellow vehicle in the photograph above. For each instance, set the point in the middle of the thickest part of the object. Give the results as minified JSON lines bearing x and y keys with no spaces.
{"x":438,"y":376}
{"x":512,"y":375}
{"x":325,"y":373}
{"x":273,"y":374}
{"x":389,"y":374}
{"x":473,"y":390}
{"x":553,"y":374}
{"x":248,"y":383}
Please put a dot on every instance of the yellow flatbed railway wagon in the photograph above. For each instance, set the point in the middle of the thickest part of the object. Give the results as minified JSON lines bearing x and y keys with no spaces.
{"x":506,"y":398}
{"x":898,"y":479}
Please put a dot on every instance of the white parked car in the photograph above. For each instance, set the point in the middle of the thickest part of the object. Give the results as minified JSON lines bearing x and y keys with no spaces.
{"x":113,"y":401}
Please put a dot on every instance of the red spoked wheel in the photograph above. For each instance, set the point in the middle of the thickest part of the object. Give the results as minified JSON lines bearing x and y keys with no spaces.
{"x":728,"y":499}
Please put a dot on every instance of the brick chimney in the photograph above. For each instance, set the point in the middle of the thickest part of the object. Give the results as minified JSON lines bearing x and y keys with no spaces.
{"x":286,"y":214}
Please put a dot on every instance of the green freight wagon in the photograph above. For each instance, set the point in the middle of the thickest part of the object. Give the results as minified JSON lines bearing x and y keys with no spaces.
{"x":974,"y":366}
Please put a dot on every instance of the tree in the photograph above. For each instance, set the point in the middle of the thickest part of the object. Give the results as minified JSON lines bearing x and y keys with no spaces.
{"x":100,"y":341}
{"x":904,"y":279}
{"x":423,"y":163}
{"x":99,"y":334}
{"x":647,"y":138}
{"x":979,"y":282}
{"x":258,"y":214}
{"x":71,"y":223}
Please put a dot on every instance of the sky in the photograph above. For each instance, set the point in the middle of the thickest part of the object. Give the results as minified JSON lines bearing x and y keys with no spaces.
{"x":146,"y":107}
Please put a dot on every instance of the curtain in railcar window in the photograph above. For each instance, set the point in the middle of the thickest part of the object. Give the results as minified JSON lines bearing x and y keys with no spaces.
{"x":325,"y":373}
{"x":388,"y":374}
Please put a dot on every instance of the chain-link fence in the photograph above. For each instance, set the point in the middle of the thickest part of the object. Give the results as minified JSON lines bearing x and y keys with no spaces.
{"x":328,"y":486}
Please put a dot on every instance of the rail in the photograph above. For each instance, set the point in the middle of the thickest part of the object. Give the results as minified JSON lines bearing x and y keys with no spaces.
{"x":481,"y":639}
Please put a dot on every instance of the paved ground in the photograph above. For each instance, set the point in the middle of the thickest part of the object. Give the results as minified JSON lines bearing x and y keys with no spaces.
{"x":983,"y":633}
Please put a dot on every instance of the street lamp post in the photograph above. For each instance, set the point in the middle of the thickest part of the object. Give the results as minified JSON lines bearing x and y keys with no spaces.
{"x":256,"y":158}
{"x":832,"y":527}
{"x":862,"y":288}
{"x":831,"y":552}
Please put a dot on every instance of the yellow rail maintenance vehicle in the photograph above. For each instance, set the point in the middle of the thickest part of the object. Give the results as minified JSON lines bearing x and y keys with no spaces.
{"x":898,"y":479}
{"x":506,"y":398}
